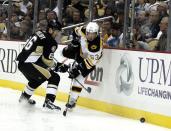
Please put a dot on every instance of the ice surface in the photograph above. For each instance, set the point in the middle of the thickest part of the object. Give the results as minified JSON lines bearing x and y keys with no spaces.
{"x":14,"y":116}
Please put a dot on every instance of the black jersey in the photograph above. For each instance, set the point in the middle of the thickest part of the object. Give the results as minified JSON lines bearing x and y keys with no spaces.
{"x":39,"y":49}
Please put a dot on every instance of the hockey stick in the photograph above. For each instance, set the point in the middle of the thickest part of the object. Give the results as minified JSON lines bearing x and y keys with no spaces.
{"x":88,"y":89}
{"x":66,"y":109}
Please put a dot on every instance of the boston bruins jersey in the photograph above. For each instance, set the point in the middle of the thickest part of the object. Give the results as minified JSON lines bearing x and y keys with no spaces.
{"x":90,"y":51}
{"x":87,"y":53}
{"x":39,"y":49}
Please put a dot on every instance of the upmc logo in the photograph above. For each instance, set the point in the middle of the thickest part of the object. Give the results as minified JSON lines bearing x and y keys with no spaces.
{"x":95,"y":77}
{"x":124,"y":76}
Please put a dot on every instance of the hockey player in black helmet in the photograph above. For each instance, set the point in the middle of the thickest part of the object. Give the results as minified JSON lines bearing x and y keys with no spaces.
{"x":36,"y":63}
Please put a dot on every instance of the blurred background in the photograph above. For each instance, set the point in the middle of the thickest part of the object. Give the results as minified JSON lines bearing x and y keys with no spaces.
{"x":128,"y":24}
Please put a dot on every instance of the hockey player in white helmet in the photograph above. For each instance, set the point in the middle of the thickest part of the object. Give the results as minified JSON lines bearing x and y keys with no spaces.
{"x":86,"y":49}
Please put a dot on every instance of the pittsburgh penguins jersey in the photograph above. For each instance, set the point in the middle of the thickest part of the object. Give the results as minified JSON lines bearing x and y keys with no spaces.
{"x":39,"y":49}
{"x":90,"y":51}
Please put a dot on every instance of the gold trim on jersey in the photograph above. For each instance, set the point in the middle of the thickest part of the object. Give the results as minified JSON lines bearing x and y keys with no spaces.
{"x":87,"y":63}
{"x":38,"y":51}
{"x":43,"y":71}
{"x":90,"y":61}
{"x":49,"y":63}
{"x":101,"y":44}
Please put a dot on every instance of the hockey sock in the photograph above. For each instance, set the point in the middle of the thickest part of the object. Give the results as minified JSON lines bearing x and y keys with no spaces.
{"x":75,"y":91}
{"x":51,"y":92}
{"x":28,"y":91}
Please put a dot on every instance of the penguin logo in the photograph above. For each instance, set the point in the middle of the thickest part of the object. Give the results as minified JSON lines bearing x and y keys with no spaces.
{"x":124,"y":76}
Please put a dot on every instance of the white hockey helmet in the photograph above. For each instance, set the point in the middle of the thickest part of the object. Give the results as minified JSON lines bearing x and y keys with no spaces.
{"x":92,"y":27}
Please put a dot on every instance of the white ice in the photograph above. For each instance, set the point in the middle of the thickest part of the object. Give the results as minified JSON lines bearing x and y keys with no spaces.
{"x":14,"y":116}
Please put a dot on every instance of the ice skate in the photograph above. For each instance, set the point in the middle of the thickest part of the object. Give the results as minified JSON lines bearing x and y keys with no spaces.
{"x":50,"y":106}
{"x":24,"y":99}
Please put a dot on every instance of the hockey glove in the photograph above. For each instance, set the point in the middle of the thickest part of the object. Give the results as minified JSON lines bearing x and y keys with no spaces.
{"x":61,"y":67}
{"x":75,"y":43}
{"x":75,"y":39}
{"x":74,"y":73}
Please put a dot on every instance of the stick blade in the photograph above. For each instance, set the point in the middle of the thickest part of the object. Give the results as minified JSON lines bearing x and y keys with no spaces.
{"x":88,"y":89}
{"x":64,"y":113}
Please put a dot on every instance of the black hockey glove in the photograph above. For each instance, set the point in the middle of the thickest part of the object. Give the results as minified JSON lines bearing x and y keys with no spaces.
{"x":75,"y":71}
{"x":75,"y":42}
{"x":75,"y":39}
{"x":61,"y":67}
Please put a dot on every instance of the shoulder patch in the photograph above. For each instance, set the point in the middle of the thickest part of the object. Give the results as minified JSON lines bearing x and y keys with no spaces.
{"x":53,"y":49}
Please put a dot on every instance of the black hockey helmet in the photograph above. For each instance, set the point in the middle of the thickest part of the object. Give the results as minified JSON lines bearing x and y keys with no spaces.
{"x":54,"y":24}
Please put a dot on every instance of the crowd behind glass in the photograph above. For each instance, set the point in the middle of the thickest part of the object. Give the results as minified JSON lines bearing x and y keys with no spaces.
{"x":149,"y":30}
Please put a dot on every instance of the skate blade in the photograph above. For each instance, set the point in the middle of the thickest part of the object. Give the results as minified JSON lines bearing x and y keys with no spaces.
{"x":47,"y":110}
{"x":26,"y":104}
{"x":70,"y":109}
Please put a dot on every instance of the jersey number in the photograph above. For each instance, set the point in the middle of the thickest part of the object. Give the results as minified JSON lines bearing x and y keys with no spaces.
{"x":95,"y":57}
{"x":30,"y":42}
{"x":51,"y":56}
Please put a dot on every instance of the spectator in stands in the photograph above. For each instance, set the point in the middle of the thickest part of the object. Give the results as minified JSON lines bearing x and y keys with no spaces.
{"x":153,"y":5}
{"x":151,"y":28}
{"x":120,"y":17}
{"x":162,"y":9}
{"x":42,"y":25}
{"x":141,"y":19}
{"x":25,"y":5}
{"x":162,"y":44}
{"x":141,"y":5}
{"x":68,"y":19}
{"x":4,"y":17}
{"x":77,"y":5}
{"x":108,"y":11}
{"x":76,"y":18}
{"x":113,"y":40}
{"x":95,"y":13}
{"x":159,"y":43}
{"x":14,"y":33}
{"x":3,"y":28}
{"x":41,"y":15}
{"x":25,"y":30}
{"x":14,"y":20}
{"x":51,"y":15}
{"x":154,"y":23}
{"x":106,"y":29}
{"x":17,"y":11}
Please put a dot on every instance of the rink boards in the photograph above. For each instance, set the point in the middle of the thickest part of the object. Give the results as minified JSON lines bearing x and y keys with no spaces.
{"x":128,"y":83}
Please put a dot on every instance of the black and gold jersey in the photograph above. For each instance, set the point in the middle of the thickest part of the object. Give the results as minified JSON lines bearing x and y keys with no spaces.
{"x":39,"y":48}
